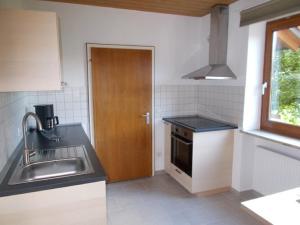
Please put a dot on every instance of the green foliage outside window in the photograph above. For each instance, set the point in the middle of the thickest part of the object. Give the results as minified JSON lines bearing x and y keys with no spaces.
{"x":285,"y":83}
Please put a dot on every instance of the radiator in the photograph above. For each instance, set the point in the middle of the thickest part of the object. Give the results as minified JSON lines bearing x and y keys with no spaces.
{"x":274,"y":171}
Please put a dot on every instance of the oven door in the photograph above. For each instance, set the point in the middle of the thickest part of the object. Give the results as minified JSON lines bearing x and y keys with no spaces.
{"x":182,"y":153}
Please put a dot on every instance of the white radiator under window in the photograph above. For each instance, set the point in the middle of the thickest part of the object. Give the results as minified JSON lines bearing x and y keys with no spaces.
{"x":274,"y":171}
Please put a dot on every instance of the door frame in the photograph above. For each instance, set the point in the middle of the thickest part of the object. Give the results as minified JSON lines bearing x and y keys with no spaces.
{"x":90,"y":88}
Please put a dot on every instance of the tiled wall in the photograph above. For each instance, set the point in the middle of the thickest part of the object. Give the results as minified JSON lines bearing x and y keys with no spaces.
{"x":171,"y":100}
{"x":70,"y":104}
{"x":12,"y":109}
{"x":219,"y":102}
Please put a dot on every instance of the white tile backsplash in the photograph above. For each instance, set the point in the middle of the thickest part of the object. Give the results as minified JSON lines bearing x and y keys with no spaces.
{"x":70,"y":104}
{"x":12,"y":110}
{"x":219,"y":102}
{"x":175,"y":100}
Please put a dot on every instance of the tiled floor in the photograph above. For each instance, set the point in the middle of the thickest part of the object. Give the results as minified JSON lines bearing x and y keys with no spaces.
{"x":160,"y":200}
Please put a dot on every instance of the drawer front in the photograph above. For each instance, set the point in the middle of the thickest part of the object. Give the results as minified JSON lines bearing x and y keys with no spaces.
{"x":181,"y":177}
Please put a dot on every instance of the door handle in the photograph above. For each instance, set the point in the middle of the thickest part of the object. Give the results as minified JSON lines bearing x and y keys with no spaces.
{"x":147,"y":116}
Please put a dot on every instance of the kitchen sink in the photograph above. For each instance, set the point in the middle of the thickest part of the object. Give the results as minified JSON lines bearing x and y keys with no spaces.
{"x":54,"y":163}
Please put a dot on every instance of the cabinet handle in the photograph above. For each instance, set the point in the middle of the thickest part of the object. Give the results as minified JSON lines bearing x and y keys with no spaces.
{"x":180,"y":140}
{"x":178,"y":171}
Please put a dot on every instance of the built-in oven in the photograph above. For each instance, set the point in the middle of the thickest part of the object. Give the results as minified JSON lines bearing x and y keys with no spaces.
{"x":182,"y":148}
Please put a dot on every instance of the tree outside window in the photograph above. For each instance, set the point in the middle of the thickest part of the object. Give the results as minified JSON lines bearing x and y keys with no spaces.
{"x":285,"y":82}
{"x":281,"y":99}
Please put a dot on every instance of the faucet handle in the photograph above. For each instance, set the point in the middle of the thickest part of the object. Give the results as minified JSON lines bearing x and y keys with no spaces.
{"x":32,"y":153}
{"x":26,"y":157}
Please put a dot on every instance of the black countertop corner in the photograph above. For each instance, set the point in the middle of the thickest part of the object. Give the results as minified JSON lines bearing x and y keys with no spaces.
{"x":71,"y":135}
{"x":198,"y":123}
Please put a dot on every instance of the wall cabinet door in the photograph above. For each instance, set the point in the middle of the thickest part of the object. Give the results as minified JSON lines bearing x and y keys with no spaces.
{"x":29,"y":51}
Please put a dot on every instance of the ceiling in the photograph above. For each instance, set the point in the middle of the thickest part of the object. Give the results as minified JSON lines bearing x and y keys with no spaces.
{"x":179,"y":7}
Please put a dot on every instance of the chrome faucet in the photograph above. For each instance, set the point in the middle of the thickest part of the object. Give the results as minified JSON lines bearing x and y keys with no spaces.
{"x":26,"y":153}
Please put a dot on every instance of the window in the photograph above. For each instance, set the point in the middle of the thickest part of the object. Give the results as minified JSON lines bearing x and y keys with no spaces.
{"x":281,"y":99}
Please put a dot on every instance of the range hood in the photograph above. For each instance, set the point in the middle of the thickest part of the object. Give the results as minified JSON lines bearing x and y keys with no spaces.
{"x":217,"y":68}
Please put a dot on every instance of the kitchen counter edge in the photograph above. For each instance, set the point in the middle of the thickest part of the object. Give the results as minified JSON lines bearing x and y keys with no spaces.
{"x":172,"y":120}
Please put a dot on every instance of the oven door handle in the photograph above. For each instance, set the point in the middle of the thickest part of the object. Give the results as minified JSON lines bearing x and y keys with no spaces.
{"x":180,"y":140}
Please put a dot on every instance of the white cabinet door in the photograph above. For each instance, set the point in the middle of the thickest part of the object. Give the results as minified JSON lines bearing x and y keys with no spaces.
{"x":212,"y":160}
{"x":29,"y":51}
{"x":83,"y":204}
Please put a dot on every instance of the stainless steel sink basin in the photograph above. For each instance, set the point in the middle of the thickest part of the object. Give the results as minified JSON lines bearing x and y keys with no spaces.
{"x":53,"y":163}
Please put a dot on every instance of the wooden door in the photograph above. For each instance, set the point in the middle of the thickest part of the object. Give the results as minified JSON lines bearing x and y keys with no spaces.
{"x":122,"y":94}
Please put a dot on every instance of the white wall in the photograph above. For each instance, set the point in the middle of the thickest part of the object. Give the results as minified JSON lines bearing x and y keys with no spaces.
{"x":243,"y":161}
{"x":238,"y":59}
{"x":181,"y":46}
{"x":251,"y":164}
{"x":12,"y":109}
{"x":180,"y":42}
{"x":253,"y":86}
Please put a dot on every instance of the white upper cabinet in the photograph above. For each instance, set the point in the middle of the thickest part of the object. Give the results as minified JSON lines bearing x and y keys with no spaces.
{"x":29,"y":51}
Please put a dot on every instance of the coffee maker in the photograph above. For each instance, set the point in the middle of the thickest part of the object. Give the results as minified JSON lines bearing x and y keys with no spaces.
{"x":46,"y":115}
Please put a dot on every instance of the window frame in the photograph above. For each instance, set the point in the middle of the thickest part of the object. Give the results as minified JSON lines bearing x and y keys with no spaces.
{"x":266,"y":124}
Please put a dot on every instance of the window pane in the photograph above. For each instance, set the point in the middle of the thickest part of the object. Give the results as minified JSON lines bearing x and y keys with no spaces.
{"x":285,"y":80}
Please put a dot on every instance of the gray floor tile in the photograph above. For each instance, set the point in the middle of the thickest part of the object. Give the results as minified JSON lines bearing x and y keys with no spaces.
{"x":160,"y":200}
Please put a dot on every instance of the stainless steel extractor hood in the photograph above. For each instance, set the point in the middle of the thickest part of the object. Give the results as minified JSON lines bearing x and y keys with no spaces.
{"x":217,"y":68}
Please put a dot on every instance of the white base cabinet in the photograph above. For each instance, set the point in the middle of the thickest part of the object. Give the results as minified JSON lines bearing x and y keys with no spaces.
{"x":73,"y":205}
{"x":212,"y":161}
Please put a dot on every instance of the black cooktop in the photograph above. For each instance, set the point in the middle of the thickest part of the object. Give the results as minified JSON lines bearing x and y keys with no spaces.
{"x":199,"y":123}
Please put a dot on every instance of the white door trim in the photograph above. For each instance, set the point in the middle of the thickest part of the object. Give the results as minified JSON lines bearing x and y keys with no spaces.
{"x":90,"y":88}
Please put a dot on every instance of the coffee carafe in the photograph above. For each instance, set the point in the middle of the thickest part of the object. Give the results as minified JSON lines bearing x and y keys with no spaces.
{"x":46,"y":115}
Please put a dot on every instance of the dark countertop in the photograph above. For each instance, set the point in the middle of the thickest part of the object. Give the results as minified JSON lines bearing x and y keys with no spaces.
{"x":71,"y":135}
{"x":198,"y":123}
